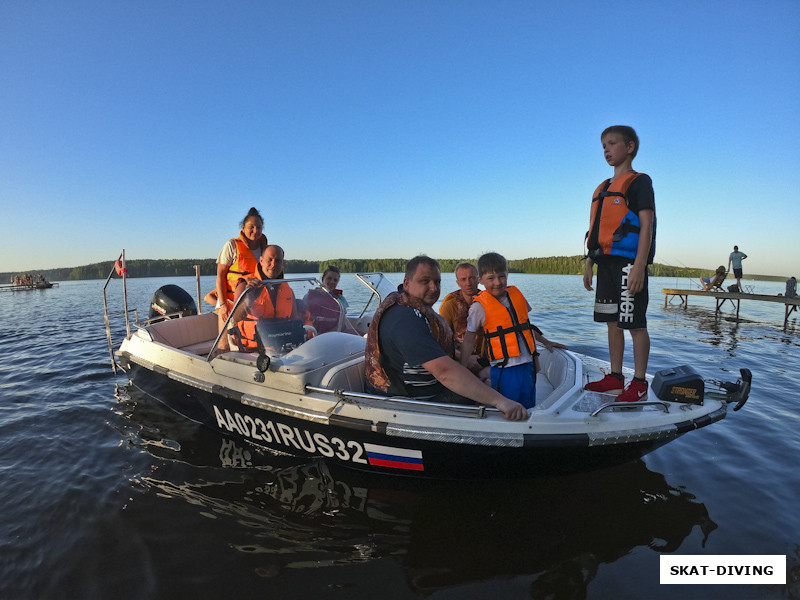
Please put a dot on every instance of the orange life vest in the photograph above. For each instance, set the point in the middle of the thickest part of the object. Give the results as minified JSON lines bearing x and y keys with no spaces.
{"x":502,"y":324}
{"x":455,"y":309}
{"x":263,"y":308}
{"x":245,"y":265}
{"x":613,"y":227}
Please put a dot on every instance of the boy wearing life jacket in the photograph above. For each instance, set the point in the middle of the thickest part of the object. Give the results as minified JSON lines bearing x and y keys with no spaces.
{"x":501,"y":312}
{"x":621,"y":242}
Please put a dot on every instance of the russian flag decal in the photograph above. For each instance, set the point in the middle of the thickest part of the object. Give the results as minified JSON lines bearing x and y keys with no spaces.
{"x":395,"y":458}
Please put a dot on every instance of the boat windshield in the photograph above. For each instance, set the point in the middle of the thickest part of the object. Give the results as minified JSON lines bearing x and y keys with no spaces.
{"x":380,"y":286}
{"x":276,"y":316}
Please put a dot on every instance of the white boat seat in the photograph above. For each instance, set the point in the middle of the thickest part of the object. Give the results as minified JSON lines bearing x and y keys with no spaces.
{"x":543,"y":390}
{"x":194,"y":334}
{"x":201,"y":348}
{"x":347,"y":376}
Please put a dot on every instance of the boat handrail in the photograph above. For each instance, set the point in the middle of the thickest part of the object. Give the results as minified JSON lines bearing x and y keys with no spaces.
{"x":465,"y":410}
{"x":364,"y":278}
{"x":127,"y":311}
{"x":610,"y":405}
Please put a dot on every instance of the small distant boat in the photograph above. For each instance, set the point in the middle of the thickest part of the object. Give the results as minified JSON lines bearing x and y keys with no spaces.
{"x":304,"y":394}
{"x":24,"y":287}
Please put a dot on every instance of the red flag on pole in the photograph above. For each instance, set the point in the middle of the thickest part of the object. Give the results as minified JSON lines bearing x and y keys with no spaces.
{"x":118,"y":267}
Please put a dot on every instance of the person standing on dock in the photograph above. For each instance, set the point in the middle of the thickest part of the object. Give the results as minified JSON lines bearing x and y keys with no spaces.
{"x":621,"y":241}
{"x":736,"y":259}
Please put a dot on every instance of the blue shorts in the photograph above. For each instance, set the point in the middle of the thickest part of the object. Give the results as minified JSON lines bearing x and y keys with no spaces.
{"x":517,"y":383}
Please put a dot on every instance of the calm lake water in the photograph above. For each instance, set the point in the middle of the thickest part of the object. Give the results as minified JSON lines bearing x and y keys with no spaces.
{"x":106,"y":494}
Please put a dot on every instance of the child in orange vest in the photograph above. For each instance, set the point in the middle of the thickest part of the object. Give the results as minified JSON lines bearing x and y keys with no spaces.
{"x":501,"y":311}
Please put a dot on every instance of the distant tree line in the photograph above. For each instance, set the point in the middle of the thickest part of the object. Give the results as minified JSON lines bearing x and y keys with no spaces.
{"x":551,"y":265}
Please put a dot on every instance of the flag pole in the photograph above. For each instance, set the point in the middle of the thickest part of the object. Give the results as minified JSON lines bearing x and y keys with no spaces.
{"x":125,"y":293}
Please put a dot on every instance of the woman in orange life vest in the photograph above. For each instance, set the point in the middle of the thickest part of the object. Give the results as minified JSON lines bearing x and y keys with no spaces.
{"x":238,"y":259}
{"x":274,"y":301}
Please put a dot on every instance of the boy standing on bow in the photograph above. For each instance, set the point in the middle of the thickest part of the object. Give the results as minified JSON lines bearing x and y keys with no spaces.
{"x":621,"y":242}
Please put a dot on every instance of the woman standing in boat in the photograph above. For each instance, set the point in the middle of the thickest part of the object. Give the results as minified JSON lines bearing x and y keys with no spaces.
{"x":238,"y":259}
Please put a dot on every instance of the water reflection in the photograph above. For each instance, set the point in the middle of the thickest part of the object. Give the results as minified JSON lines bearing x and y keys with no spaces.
{"x":717,"y":329}
{"x":550,"y":534}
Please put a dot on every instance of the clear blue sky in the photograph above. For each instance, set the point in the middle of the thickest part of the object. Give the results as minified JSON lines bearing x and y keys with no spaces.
{"x":387,"y":128}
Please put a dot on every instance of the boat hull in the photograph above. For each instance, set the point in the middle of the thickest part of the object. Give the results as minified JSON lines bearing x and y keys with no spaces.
{"x":350,"y":443}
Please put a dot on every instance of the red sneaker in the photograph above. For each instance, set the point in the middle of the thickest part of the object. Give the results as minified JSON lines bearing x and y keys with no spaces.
{"x":607,"y":385}
{"x":636,"y":390}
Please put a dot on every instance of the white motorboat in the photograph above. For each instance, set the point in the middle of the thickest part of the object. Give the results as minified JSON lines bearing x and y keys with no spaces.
{"x":303,"y":393}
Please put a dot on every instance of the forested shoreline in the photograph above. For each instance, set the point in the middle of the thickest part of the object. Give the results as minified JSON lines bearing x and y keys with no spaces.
{"x":551,"y":265}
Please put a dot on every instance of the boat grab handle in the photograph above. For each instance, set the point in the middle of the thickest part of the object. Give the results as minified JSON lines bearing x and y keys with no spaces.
{"x":663,"y":405}
{"x":478,"y":411}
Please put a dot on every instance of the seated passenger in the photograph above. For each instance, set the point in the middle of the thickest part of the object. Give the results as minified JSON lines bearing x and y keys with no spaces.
{"x":325,"y":305}
{"x":455,"y":308}
{"x":410,"y":348}
{"x":274,"y":301}
{"x":330,"y":279}
{"x":502,"y":312}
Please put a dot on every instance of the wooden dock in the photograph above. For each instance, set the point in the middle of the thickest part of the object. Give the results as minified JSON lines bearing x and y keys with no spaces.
{"x":735,"y":299}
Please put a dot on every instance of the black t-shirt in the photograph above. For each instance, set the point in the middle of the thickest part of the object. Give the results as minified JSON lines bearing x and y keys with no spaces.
{"x":640,"y":197}
{"x":406,"y":343}
{"x":640,"y":194}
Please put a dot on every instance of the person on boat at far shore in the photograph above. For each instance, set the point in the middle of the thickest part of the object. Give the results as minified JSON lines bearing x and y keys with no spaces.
{"x":410,"y":348}
{"x":621,"y":241}
{"x":238,"y":258}
{"x":501,"y":312}
{"x":276,"y":301}
{"x":455,"y":308}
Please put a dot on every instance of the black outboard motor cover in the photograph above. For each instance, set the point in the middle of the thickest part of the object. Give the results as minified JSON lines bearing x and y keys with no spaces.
{"x":679,"y":384}
{"x":172,"y":299}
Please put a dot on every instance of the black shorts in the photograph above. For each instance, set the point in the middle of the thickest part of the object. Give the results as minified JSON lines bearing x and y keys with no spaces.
{"x":612,"y":302}
{"x":737,"y":273}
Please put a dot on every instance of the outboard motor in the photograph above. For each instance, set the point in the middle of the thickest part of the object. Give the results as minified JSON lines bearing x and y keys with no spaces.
{"x":170,"y":299}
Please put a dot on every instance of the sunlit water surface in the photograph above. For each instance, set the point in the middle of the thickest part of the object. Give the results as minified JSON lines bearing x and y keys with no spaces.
{"x":105,"y":494}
